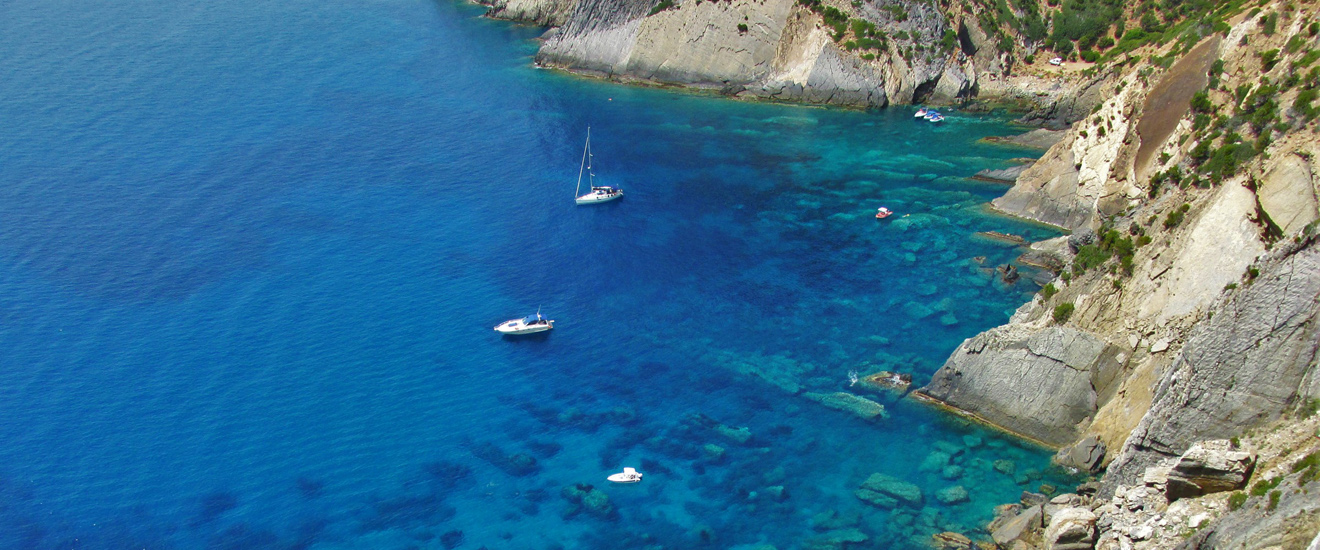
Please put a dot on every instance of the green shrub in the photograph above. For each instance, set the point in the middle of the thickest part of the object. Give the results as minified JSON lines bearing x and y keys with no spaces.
{"x":1090,"y":56}
{"x":1295,"y":43}
{"x":1174,"y":218}
{"x":1089,"y":256}
{"x":1274,"y":500}
{"x":1309,"y":461}
{"x":1201,"y":103}
{"x":1309,"y":408}
{"x":1264,"y":486}
{"x":1029,"y":59}
{"x":1268,"y":59}
{"x":1062,"y":312}
{"x":1236,"y":500}
{"x":742,"y":27}
{"x":662,"y":6}
{"x":1048,"y":291}
{"x":1269,"y":23}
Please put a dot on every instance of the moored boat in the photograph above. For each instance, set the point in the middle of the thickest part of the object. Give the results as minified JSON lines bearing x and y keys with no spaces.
{"x":530,"y":324}
{"x":628,"y":475}
{"x":597,"y":193}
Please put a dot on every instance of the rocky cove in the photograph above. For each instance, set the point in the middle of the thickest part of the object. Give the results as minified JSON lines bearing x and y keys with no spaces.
{"x":1173,"y":353}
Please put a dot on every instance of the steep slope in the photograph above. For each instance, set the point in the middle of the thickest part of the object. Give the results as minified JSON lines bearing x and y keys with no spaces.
{"x":1193,"y":279}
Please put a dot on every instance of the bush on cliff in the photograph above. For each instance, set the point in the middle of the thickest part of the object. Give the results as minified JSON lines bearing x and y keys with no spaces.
{"x":1062,"y":312}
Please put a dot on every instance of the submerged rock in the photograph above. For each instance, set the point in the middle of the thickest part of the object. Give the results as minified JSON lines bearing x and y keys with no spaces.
{"x":952,"y":495}
{"x":583,"y":496}
{"x":843,"y":401}
{"x":882,"y":490}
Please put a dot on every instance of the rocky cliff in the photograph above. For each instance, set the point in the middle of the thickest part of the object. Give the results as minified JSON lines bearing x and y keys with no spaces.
{"x":862,"y":54}
{"x":1187,"y":307}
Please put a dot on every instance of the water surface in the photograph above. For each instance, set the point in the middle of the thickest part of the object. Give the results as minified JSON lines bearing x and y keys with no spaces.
{"x":250,"y":255}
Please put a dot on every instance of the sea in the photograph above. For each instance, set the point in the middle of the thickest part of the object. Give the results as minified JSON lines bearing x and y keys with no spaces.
{"x":251,"y":255}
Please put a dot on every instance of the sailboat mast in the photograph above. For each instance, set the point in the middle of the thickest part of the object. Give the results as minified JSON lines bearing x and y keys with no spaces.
{"x":585,"y":149}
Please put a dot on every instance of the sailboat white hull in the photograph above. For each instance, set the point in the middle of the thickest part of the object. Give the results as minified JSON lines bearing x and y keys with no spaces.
{"x":594,"y":198}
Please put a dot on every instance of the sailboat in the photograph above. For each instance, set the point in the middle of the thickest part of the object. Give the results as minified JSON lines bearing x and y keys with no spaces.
{"x":597,"y":194}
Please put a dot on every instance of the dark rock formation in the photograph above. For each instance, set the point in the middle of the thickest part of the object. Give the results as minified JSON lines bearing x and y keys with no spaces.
{"x":1087,"y":455}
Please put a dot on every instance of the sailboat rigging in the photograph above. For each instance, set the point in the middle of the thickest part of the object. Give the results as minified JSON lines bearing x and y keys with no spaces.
{"x":602,"y":193}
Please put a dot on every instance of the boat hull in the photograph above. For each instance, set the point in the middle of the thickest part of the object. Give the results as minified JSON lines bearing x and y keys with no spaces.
{"x":513,"y":328}
{"x":595,"y":198}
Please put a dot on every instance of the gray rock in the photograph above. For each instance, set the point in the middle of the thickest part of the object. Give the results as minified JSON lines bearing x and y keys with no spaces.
{"x":1002,"y":175}
{"x":1040,"y":382}
{"x":1086,"y":455}
{"x":1209,"y":467}
{"x":1243,"y":367}
{"x":1071,"y":529}
{"x":1005,"y":466}
{"x":1021,"y":524}
{"x":951,"y":472}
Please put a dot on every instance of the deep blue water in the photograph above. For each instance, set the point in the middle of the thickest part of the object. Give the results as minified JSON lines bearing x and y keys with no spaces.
{"x":250,"y":255}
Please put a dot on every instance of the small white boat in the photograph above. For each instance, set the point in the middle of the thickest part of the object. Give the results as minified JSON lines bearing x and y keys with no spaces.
{"x":931,"y":114}
{"x":530,"y":324}
{"x":598,"y":193}
{"x":921,"y":113}
{"x":937,"y":118}
{"x":628,"y":475}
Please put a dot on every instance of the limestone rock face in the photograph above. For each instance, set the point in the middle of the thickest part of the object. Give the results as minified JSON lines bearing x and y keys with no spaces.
{"x":1209,"y":467}
{"x":1040,"y":382}
{"x":773,"y":49}
{"x":550,"y":13}
{"x":1201,"y":268}
{"x":1071,"y":529}
{"x":1242,"y":367}
{"x":1288,"y":194}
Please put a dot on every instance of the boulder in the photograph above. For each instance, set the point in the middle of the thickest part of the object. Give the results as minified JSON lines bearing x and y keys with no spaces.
{"x":952,"y":495}
{"x":1071,"y":529}
{"x":891,"y":489}
{"x":1086,"y":455}
{"x":1005,"y":466}
{"x":1015,"y":528}
{"x":1209,"y":467}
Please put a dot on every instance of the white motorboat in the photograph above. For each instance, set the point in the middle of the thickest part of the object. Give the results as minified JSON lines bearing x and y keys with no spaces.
{"x":628,"y":475}
{"x":921,"y":113}
{"x":598,"y":193}
{"x":530,"y":324}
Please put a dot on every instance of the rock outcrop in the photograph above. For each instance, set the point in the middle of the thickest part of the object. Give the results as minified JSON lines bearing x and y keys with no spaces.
{"x":1209,"y":467}
{"x":1037,"y":381}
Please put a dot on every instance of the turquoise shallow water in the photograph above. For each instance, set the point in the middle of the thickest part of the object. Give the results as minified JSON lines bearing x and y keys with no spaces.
{"x":250,"y":255}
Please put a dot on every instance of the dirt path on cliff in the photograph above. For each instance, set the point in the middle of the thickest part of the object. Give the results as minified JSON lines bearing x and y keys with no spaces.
{"x":1169,"y":100}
